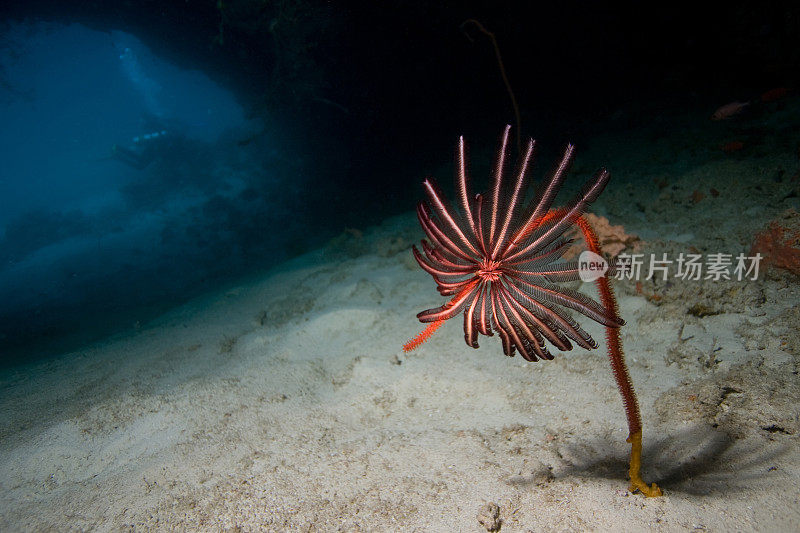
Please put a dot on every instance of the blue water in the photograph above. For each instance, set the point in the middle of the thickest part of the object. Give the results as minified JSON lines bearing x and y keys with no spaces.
{"x":94,"y":240}
{"x":151,"y":154}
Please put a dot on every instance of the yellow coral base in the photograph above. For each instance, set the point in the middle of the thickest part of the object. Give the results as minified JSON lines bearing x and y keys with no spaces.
{"x":637,"y":483}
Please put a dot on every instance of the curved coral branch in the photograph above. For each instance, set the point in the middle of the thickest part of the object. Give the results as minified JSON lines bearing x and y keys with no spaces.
{"x":621,"y":374}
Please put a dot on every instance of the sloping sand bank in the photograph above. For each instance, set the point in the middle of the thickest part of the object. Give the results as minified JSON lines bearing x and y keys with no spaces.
{"x":287,"y":404}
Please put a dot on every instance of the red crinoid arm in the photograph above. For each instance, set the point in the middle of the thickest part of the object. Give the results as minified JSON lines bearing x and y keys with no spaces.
{"x":531,"y":226}
{"x":471,"y":321}
{"x":441,"y":314}
{"x":445,"y":213}
{"x":525,"y":316}
{"x":462,"y":188}
{"x":444,"y":268}
{"x":424,"y":335}
{"x":520,"y":317}
{"x":514,"y":201}
{"x":437,"y":236}
{"x":573,"y":300}
{"x":453,"y":307}
{"x":591,"y":190}
{"x":497,"y":186}
{"x":544,"y":199}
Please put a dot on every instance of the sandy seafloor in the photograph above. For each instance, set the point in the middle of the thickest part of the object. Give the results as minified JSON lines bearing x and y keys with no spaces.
{"x":286,"y":403}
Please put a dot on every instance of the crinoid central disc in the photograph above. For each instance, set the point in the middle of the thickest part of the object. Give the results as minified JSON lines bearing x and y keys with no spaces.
{"x":490,"y":270}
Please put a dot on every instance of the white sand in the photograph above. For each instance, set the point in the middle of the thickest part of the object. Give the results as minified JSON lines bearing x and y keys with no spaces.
{"x":207,"y":419}
{"x":287,"y":403}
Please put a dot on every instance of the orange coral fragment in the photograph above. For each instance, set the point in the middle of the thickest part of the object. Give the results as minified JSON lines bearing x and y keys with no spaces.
{"x":612,"y":239}
{"x":733,"y":146}
{"x":774,"y":94}
{"x":779,"y":243}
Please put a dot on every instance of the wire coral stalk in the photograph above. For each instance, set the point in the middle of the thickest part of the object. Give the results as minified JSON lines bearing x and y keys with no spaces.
{"x":615,"y":354}
{"x":620,"y":371}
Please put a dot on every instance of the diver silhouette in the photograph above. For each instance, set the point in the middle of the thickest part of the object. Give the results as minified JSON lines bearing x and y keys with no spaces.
{"x":143,"y":149}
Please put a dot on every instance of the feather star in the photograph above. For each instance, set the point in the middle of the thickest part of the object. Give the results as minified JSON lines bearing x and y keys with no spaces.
{"x":499,"y":259}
